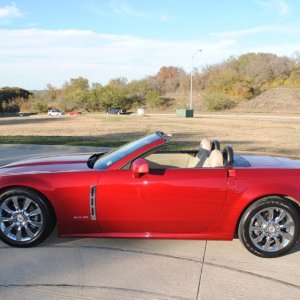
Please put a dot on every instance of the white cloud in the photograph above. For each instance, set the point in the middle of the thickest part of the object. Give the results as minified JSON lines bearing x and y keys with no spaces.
{"x":32,"y":58}
{"x":125,"y":10}
{"x":280,"y":6}
{"x":291,"y":29}
{"x":95,"y":9}
{"x":10,"y":11}
{"x":243,"y":32}
{"x":265,"y":3}
{"x":283,"y":7}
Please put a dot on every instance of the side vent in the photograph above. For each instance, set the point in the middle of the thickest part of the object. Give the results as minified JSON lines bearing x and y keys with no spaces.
{"x":93,"y":202}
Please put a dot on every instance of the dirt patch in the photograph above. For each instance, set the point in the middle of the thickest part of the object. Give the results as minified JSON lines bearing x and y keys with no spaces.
{"x":279,"y":100}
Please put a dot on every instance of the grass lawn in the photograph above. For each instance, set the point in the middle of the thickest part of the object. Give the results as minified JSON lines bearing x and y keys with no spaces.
{"x":269,"y":135}
{"x":60,"y":140}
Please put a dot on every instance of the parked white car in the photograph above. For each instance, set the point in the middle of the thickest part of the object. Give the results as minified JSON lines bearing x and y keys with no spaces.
{"x":55,"y":112}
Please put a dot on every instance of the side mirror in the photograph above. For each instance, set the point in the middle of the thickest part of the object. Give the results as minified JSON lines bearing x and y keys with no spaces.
{"x":139,"y":167}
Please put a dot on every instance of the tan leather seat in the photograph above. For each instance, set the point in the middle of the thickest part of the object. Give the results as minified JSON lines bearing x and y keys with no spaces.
{"x":214,"y":160}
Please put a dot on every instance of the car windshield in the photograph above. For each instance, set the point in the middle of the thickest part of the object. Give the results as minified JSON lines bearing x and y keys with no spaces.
{"x":111,"y":157}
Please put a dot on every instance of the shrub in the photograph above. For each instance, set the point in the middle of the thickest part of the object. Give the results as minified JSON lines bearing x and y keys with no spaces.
{"x":153,"y":99}
{"x":40,"y":107}
{"x":217,"y":102}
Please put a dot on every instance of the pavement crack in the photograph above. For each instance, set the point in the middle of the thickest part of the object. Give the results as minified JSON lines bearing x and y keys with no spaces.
{"x":193,"y":260}
{"x":253,"y":274}
{"x":201,"y":270}
{"x":143,"y":252}
{"x":81,"y":269}
{"x":64,"y":285}
{"x":190,"y":259}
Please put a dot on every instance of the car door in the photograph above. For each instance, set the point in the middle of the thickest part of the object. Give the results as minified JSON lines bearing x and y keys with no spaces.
{"x":162,"y":201}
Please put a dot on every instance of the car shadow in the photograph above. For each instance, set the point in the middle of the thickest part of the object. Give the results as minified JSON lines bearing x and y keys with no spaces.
{"x":54,"y":241}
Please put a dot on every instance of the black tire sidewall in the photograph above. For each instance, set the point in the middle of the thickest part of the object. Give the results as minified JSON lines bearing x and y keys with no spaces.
{"x":244,"y":224}
{"x":46,"y":212}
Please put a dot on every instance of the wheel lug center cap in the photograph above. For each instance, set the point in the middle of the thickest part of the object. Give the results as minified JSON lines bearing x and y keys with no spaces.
{"x":271,"y":229}
{"x":20,"y":218}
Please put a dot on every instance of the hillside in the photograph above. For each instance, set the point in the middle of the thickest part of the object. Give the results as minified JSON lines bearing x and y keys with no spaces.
{"x":276,"y":100}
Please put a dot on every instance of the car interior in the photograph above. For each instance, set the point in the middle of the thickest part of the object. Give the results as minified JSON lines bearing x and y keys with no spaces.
{"x":209,"y":155}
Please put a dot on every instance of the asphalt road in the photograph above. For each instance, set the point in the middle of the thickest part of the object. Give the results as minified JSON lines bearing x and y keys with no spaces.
{"x":71,"y":268}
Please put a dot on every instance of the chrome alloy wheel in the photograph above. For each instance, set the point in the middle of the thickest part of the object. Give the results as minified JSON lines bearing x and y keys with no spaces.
{"x":272,"y":229}
{"x":21,"y":218}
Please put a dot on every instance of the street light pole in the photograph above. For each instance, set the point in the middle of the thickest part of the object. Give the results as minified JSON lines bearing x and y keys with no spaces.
{"x":191,"y":91}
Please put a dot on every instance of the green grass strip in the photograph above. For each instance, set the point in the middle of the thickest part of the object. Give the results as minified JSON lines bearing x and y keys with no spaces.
{"x":80,"y":141}
{"x":61,"y":140}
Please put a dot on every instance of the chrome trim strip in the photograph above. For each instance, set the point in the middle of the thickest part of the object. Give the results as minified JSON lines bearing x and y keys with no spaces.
{"x":93,"y":202}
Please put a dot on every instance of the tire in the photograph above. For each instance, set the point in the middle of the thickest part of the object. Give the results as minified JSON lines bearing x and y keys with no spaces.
{"x":26,"y":218}
{"x":269,"y":227}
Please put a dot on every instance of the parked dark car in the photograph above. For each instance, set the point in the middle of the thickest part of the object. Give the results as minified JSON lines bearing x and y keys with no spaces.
{"x":116,"y":111}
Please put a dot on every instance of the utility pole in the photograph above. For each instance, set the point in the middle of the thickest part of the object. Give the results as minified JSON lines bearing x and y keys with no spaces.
{"x":191,"y":91}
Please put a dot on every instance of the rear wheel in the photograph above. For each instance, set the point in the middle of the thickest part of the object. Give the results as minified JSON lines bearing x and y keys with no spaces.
{"x":26,"y":219}
{"x":269,"y":227}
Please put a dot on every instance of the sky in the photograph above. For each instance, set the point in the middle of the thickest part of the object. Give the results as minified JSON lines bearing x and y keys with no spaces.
{"x":52,"y":41}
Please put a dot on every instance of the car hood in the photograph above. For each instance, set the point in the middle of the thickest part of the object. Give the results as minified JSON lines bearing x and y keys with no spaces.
{"x":63,"y":163}
{"x":271,"y":162}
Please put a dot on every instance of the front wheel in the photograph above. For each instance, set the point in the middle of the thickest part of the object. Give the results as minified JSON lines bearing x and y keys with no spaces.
{"x":26,"y":219}
{"x":269,"y":227}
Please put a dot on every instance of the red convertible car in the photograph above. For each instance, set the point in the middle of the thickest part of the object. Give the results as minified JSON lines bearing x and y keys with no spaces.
{"x":145,"y":190}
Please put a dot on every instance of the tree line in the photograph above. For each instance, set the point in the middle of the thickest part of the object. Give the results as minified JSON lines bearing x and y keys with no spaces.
{"x":221,"y":86}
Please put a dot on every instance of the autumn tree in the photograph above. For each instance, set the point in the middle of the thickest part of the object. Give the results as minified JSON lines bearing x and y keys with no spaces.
{"x":9,"y":96}
{"x":107,"y":97}
{"x":171,"y":77}
{"x":165,"y":73}
{"x":75,"y":94}
{"x":248,"y":75}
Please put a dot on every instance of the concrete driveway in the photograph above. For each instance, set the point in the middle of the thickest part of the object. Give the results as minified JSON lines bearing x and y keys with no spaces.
{"x":72,"y":268}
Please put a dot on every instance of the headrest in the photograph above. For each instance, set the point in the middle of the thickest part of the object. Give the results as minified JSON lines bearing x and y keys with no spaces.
{"x":205,"y":144}
{"x":215,"y":145}
{"x":228,"y":155}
